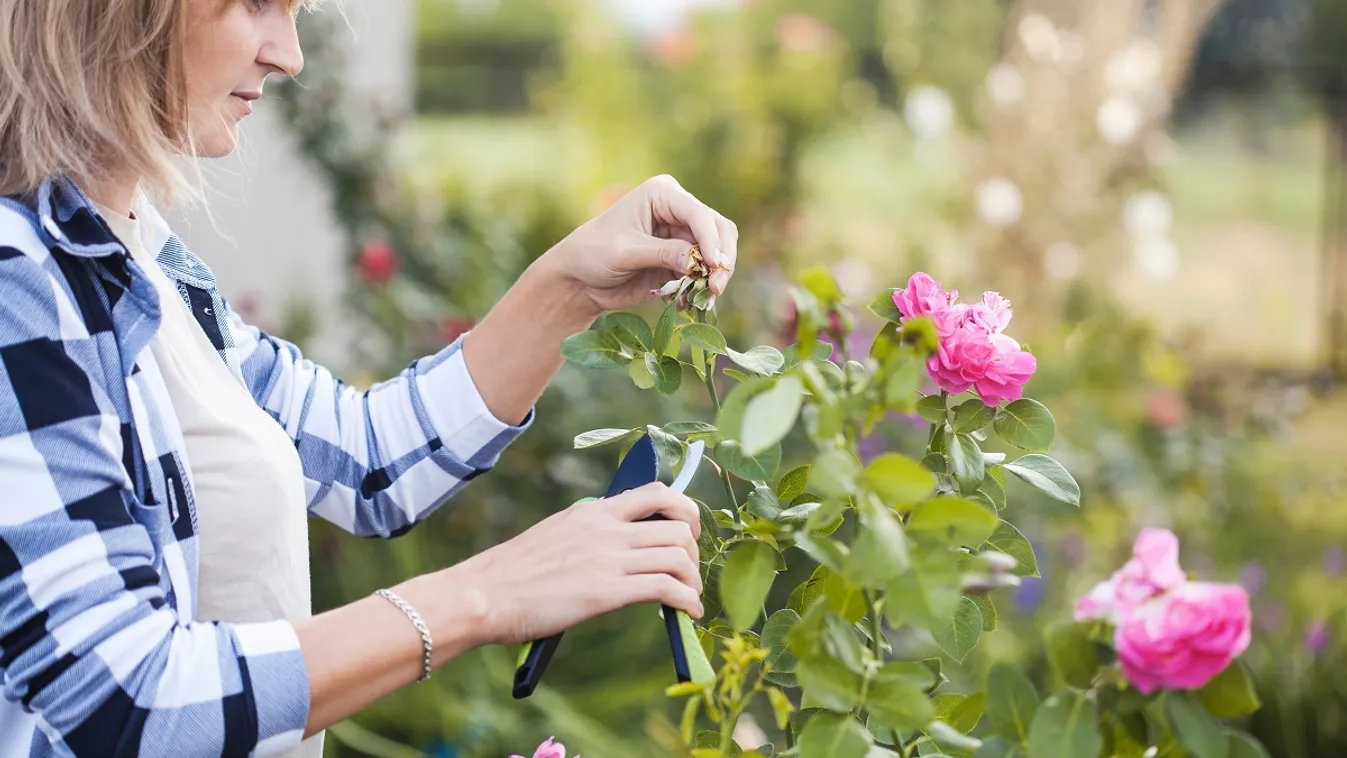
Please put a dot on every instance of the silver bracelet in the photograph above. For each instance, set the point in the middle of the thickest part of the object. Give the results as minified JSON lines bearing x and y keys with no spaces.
{"x":418,"y":622}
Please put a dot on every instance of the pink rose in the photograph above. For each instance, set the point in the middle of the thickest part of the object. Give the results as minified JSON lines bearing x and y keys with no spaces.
{"x":1182,"y":639}
{"x":992,"y":313}
{"x":1007,"y":372}
{"x":1153,"y":569}
{"x":973,"y":353}
{"x":549,"y":749}
{"x":924,"y":297}
{"x":961,"y":359}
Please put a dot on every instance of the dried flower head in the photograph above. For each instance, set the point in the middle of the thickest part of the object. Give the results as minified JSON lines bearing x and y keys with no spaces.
{"x":693,"y":289}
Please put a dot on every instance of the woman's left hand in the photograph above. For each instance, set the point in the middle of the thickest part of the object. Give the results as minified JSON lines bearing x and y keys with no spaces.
{"x":617,"y":258}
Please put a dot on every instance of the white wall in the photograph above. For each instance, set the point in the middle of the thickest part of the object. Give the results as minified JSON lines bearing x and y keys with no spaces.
{"x":273,"y":239}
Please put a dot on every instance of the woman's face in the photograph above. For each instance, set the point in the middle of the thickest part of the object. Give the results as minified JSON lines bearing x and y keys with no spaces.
{"x":231,"y":49}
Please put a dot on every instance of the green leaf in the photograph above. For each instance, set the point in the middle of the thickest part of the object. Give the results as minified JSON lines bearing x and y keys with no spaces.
{"x":630,"y":329}
{"x":833,"y":735}
{"x":730,"y":419}
{"x":949,"y":738}
{"x":1244,"y":746}
{"x":1012,"y":702}
{"x":932,"y":408}
{"x":762,"y":503}
{"x":1026,"y":424}
{"x":1231,"y":694}
{"x":763,"y":359}
{"x":843,"y":597}
{"x":781,"y":706}
{"x":965,"y":458}
{"x":884,"y":344}
{"x":822,"y":351}
{"x":955,"y":520}
{"x":834,"y":473}
{"x":1073,"y":655}
{"x":899,"y":481}
{"x":884,"y":307}
{"x":824,"y":551}
{"x":804,"y":595}
{"x":600,"y":437}
{"x":843,"y":642}
{"x":963,"y":712}
{"x":972,"y":415}
{"x":664,"y":328}
{"x":829,"y":684}
{"x":758,"y":468}
{"x":998,"y":747}
{"x":747,"y":576}
{"x":640,"y":374}
{"x":994,"y":492}
{"x":961,"y":635}
{"x":689,"y":427}
{"x":821,"y":284}
{"x":1009,"y":540}
{"x":667,"y":446}
{"x":988,"y":611}
{"x":668,"y":372}
{"x":1046,"y":475}
{"x":704,"y":336}
{"x":593,"y":349}
{"x":793,"y":483}
{"x":896,"y":700}
{"x":927,"y":594}
{"x":920,"y":332}
{"x":879,"y":553}
{"x":900,"y":391}
{"x":1198,"y":730}
{"x":771,"y":415}
{"x":674,"y":347}
{"x":1065,"y":726}
{"x":779,"y":655}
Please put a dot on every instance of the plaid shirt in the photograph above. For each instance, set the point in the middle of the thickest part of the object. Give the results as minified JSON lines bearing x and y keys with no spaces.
{"x":101,"y":652}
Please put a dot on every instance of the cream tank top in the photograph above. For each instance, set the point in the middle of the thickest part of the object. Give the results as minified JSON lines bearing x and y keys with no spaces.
{"x":248,"y":482}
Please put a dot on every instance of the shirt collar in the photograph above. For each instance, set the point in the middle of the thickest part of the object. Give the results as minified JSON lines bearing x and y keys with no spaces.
{"x":67,"y":219}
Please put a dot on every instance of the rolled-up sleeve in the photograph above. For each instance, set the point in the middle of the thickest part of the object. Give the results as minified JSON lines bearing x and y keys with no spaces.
{"x":378,"y":461}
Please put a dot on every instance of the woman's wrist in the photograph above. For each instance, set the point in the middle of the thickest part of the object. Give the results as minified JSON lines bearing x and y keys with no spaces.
{"x":454,"y":609}
{"x":553,"y":273}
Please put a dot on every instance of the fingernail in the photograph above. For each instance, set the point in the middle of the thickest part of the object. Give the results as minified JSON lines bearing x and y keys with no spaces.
{"x":719,"y":280}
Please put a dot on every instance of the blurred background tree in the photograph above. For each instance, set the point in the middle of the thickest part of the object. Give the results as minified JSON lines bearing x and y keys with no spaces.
{"x":1147,"y":180}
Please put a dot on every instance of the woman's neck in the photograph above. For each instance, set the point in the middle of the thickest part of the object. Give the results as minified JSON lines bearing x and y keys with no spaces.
{"x":115,"y":190}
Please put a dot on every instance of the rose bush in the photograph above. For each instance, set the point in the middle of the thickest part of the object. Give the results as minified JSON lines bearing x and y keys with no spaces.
{"x":911,"y":548}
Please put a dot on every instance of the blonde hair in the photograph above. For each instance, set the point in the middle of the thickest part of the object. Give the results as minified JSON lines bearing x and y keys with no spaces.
{"x":85,"y":84}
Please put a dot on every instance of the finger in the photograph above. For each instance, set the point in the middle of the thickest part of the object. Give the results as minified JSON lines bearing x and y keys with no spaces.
{"x":675,"y":206}
{"x":660,"y":588}
{"x":653,"y":534}
{"x":729,"y":240}
{"x":665,"y":560}
{"x":656,"y":497}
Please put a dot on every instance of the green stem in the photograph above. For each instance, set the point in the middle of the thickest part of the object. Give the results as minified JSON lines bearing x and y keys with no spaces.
{"x":727,"y":732}
{"x":876,"y":626}
{"x":715,"y":404}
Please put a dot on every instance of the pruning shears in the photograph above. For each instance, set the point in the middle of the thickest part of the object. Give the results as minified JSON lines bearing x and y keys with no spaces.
{"x":638,"y":468}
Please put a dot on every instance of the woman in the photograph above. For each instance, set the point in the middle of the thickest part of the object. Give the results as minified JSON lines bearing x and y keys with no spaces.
{"x":159,"y":456}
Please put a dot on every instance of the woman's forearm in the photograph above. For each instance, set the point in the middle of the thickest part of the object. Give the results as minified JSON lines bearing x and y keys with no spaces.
{"x":513,"y":353}
{"x":363,"y":651}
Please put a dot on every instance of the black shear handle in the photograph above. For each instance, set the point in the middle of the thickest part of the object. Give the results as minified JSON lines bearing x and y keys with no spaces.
{"x":535,"y":657}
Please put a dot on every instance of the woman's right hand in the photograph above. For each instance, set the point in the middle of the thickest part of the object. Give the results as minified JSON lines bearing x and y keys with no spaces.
{"x":594,"y":557}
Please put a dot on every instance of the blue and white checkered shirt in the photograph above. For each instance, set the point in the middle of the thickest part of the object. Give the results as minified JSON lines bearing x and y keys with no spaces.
{"x":101,"y":653}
